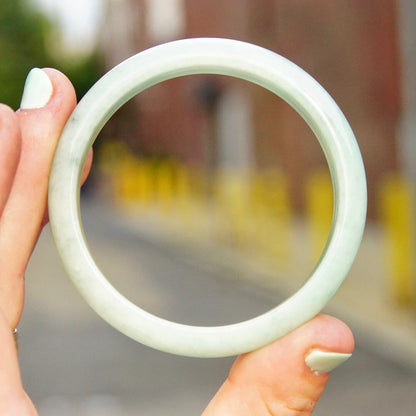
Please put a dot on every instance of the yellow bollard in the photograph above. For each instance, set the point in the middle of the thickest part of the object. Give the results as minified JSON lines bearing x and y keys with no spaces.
{"x":144,"y":183}
{"x":319,"y":209}
{"x":271,"y":215}
{"x":231,"y":195}
{"x":397,"y":214}
{"x":128,"y":186}
{"x":164,"y":185}
{"x":183,"y":186}
{"x":183,"y":192}
{"x":110,"y":161}
{"x":202,"y":209}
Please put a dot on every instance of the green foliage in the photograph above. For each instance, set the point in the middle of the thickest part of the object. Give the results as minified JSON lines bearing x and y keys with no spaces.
{"x":24,"y":37}
{"x":83,"y":73}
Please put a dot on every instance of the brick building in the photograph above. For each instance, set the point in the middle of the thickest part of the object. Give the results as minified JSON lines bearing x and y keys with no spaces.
{"x":351,"y":48}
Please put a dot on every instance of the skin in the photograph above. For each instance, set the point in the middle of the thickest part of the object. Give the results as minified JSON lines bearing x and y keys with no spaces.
{"x":271,"y":381}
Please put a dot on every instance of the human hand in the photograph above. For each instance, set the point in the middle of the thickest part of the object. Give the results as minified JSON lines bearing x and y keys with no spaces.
{"x":283,"y":378}
{"x":27,"y":143}
{"x":274,"y":380}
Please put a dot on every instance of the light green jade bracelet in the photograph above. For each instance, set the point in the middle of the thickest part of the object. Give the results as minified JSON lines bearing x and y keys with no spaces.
{"x":240,"y":60}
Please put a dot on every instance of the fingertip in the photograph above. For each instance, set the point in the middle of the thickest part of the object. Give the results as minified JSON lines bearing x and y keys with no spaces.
{"x":331,"y":334}
{"x":289,"y":375}
{"x":51,"y":95}
{"x":37,"y":91}
{"x":64,"y":98}
{"x":41,"y":126}
{"x":323,"y":332}
{"x":62,"y":85}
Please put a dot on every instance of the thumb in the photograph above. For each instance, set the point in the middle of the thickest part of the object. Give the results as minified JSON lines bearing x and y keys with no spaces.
{"x":288,"y":377}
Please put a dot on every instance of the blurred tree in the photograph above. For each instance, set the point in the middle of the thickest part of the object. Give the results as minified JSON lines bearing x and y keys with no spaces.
{"x":83,"y":72}
{"x":25,"y":36}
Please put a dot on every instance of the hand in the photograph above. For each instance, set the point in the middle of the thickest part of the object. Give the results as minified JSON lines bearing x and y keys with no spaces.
{"x":274,"y":380}
{"x":27,"y":143}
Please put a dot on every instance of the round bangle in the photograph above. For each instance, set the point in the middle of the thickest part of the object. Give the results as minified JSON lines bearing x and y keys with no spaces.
{"x":251,"y":63}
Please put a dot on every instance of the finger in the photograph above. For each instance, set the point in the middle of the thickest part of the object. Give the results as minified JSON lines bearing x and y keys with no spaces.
{"x":47,"y":102}
{"x":13,"y":399}
{"x":287,"y":377}
{"x":84,"y":176}
{"x":87,"y":167}
{"x":10,"y":145}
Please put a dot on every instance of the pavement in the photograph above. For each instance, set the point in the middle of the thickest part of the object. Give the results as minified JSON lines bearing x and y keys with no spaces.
{"x":73,"y":363}
{"x":364,"y":300}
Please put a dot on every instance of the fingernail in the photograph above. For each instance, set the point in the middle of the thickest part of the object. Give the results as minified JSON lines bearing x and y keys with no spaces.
{"x":37,"y":91}
{"x":325,"y":361}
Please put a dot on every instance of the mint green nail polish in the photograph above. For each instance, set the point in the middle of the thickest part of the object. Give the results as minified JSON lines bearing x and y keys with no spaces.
{"x":325,"y":361}
{"x":37,"y":91}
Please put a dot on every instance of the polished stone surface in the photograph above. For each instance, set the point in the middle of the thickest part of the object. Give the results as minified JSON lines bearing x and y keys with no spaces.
{"x":253,"y":64}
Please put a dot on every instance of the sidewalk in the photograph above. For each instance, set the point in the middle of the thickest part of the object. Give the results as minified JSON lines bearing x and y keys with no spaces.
{"x":363,"y":300}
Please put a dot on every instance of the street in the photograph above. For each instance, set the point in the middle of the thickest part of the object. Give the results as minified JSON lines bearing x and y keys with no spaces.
{"x":73,"y":363}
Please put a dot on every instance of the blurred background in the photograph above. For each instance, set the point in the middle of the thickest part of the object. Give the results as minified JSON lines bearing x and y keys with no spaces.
{"x":210,"y":199}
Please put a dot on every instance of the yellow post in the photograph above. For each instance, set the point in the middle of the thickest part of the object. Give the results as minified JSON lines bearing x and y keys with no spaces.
{"x":183,"y":192}
{"x":110,"y":161}
{"x":144,"y":179}
{"x":232,"y":197}
{"x":397,"y":213}
{"x":128,"y":191}
{"x":164,"y":185}
{"x":271,"y":215}
{"x":319,"y":209}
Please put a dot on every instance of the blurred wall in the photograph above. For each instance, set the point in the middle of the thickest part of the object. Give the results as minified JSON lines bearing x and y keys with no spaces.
{"x":351,"y":48}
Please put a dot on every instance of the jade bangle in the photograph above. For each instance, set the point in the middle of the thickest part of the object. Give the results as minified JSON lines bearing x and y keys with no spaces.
{"x":251,"y":63}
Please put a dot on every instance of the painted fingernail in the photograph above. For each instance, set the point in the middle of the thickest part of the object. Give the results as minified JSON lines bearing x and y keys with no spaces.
{"x":37,"y":91}
{"x":325,"y":361}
